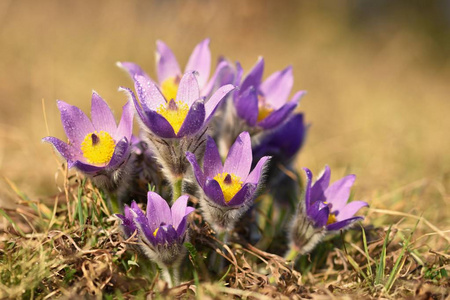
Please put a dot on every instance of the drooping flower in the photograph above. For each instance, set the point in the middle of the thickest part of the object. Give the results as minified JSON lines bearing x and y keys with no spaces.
{"x":169,"y":72}
{"x":264,"y":104}
{"x":162,"y":230}
{"x":178,"y":125}
{"x":324,"y":209}
{"x":99,"y":148}
{"x":228,"y":189}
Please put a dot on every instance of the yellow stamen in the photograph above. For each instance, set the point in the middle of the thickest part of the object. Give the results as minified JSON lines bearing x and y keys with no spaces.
{"x":230,"y":185}
{"x":169,"y":88}
{"x":264,"y":109}
{"x":98,"y":148}
{"x":155,"y":232}
{"x":331,"y":219}
{"x":174,"y":114}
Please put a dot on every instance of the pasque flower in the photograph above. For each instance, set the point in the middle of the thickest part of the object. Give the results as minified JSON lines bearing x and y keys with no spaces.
{"x":161,"y":231}
{"x":323,"y":209}
{"x":177,"y":125}
{"x":264,"y":104}
{"x":228,"y":189}
{"x":169,"y":72}
{"x":99,"y":148}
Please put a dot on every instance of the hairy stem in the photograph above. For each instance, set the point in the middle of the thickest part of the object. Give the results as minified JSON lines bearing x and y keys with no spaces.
{"x":176,"y":189}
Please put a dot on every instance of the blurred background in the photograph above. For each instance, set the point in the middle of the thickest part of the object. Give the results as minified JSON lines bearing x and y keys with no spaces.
{"x":377,"y":75}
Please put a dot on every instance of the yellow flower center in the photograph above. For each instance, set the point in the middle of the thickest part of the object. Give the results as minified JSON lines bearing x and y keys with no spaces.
{"x":331,"y":219}
{"x":264,"y":109}
{"x":98,"y":147}
{"x":155,"y":232}
{"x":169,"y":88}
{"x":230,"y":185}
{"x":174,"y":112}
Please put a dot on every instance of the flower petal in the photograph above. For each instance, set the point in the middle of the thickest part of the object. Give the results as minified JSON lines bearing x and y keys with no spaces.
{"x":223,"y":69}
{"x":247,"y":106}
{"x":350,"y":210}
{"x":239,"y":159}
{"x":76,"y":124}
{"x":199,"y":175}
{"x":139,"y":110}
{"x":200,"y":61}
{"x":158,"y":211}
{"x":86,"y":168}
{"x":178,"y":210}
{"x":69,"y":153}
{"x":343,"y":224}
{"x":133,"y":69}
{"x":212,"y":163}
{"x":214,"y":192}
{"x":307,"y":196}
{"x":188,"y":90}
{"x":213,"y":102}
{"x":125,"y":128}
{"x":277,"y":87}
{"x":280,"y":115}
{"x":321,"y":184}
{"x":102,"y":117}
{"x":159,"y":125}
{"x":121,"y":153}
{"x":338,"y":193}
{"x":255,"y":175}
{"x":245,"y":194}
{"x":321,"y":218}
{"x":254,"y":77}
{"x":167,"y":65}
{"x":194,"y":119}
{"x":183,"y":224}
{"x":141,"y":222}
{"x":148,"y":93}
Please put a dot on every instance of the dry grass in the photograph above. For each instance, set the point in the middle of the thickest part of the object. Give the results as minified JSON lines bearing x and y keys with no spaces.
{"x":377,"y":82}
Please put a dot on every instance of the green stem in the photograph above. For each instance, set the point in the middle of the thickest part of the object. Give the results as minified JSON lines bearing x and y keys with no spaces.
{"x":292,"y":255}
{"x":176,"y":189}
{"x":171,"y":275}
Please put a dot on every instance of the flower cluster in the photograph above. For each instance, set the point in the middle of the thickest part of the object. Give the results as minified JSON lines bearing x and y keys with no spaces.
{"x":212,"y":139}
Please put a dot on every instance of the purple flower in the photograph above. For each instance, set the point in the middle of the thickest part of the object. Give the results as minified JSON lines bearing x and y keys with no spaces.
{"x":169,"y":72}
{"x":183,"y":116}
{"x":95,"y":146}
{"x":127,"y":225}
{"x":324,"y":209}
{"x":264,"y":103}
{"x":162,"y":230}
{"x":229,"y":188}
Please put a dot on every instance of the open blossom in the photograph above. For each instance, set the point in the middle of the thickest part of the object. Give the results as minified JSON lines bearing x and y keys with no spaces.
{"x":96,"y":148}
{"x":162,"y":230}
{"x":169,"y":72}
{"x":264,"y":103}
{"x":228,"y":189}
{"x":324,"y":209}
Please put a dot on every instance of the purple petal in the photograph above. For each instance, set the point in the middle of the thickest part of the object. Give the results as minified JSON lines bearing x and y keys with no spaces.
{"x":183,"y":224}
{"x":212,"y":163}
{"x":148,"y":93}
{"x":87,"y":168}
{"x":161,"y":236}
{"x":121,"y":152}
{"x":76,"y":124}
{"x":200,"y":61}
{"x":170,"y":234}
{"x":277,"y":87}
{"x":247,"y":106}
{"x":245,"y":194}
{"x":221,"y":68}
{"x":188,"y":90}
{"x":125,"y":128}
{"x":350,"y":210}
{"x":214,"y":192}
{"x":102,"y":117}
{"x":338,"y":193}
{"x":254,"y":77}
{"x":167,"y":65}
{"x":280,"y":115}
{"x":127,"y":221}
{"x":137,"y":106}
{"x":158,"y":211}
{"x":255,"y":175}
{"x":308,"y":189}
{"x":178,"y":210}
{"x":199,"y":175}
{"x":133,"y":69}
{"x":239,"y":159}
{"x":213,"y":102}
{"x":159,"y":125}
{"x":343,"y":224}
{"x":321,"y":218}
{"x":67,"y":151}
{"x":194,"y":119}
{"x":141,"y":222}
{"x":321,"y":184}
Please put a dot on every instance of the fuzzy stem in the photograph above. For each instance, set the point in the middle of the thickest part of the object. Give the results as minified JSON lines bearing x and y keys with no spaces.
{"x":292,"y":255}
{"x":176,"y":189}
{"x":171,"y":275}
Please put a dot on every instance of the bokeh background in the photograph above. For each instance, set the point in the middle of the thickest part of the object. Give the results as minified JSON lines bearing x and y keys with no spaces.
{"x":377,"y":75}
